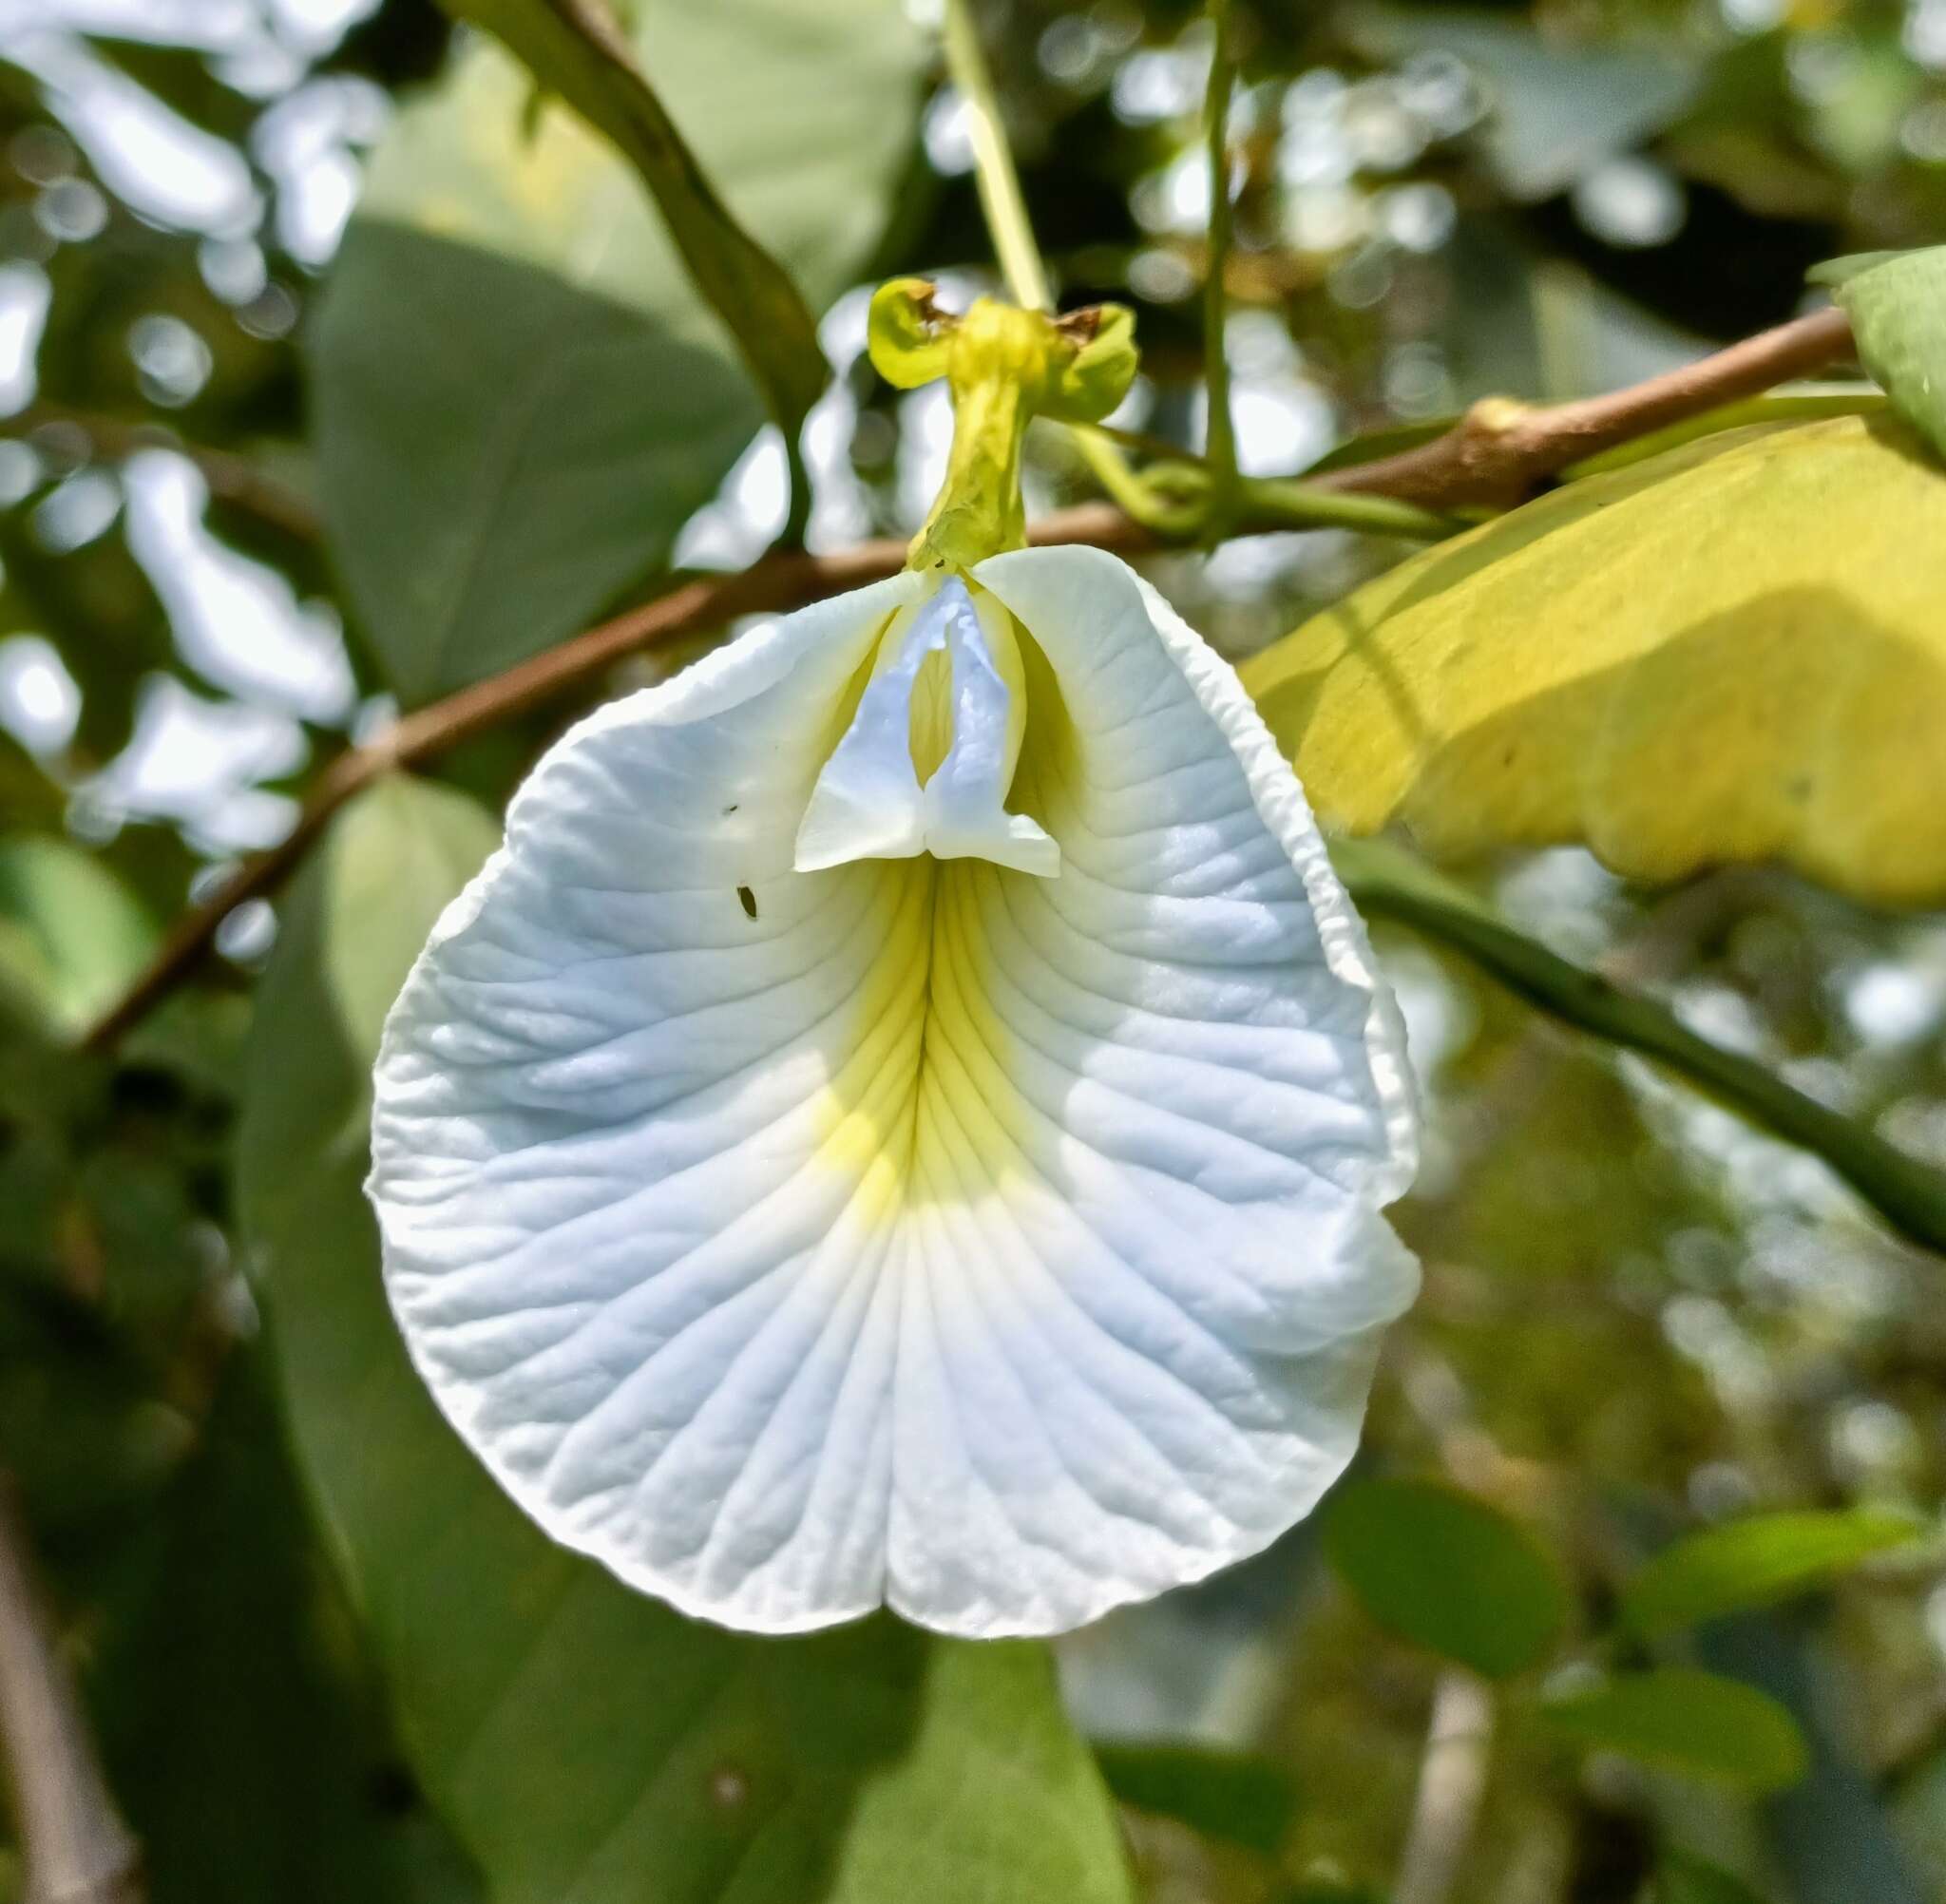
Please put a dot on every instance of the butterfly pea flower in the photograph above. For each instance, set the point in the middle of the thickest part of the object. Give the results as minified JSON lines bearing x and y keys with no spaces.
{"x":906,"y":1117}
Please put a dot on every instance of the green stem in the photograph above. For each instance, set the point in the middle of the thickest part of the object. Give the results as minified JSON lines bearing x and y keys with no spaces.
{"x":978,"y":511}
{"x":1909,"y":1194}
{"x":797,"y":519}
{"x":1267,"y":502}
{"x":1014,"y":244}
{"x":1261,"y":502}
{"x":1219,"y":444}
{"x":993,"y":163}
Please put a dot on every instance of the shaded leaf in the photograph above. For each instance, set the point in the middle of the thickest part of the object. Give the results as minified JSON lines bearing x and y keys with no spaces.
{"x":519,"y":396}
{"x":1752,"y":1563}
{"x":1683,"y":1721}
{"x":293,"y":1797}
{"x":576,"y":49}
{"x":1683,"y":1879}
{"x":403,"y":837}
{"x":1832,"y":1837}
{"x":1730,"y":652}
{"x":469,"y":541}
{"x":1443,"y":1570}
{"x":586,"y":1744}
{"x":1897,"y":311}
{"x":72,"y":937}
{"x":1555,"y":111}
{"x":1237,"y":1797}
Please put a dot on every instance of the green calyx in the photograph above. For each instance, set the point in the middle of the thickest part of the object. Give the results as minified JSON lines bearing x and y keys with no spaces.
{"x":1004,"y":365}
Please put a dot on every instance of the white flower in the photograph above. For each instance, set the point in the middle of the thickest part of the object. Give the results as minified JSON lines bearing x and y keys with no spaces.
{"x":904,"y":1119}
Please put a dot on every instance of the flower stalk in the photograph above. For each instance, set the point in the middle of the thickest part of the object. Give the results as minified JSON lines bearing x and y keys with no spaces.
{"x":1219,"y":442}
{"x":1004,"y":365}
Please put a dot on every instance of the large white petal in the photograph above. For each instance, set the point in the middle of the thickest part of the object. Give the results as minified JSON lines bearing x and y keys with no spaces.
{"x":1003,"y":1247}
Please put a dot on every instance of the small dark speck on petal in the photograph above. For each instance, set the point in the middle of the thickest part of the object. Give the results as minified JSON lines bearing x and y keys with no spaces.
{"x":729,"y":1788}
{"x":732,"y":808}
{"x":749,"y":898}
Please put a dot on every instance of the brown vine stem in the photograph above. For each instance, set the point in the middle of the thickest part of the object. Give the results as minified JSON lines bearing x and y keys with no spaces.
{"x":1470,"y":462}
{"x":1499,"y":451}
{"x":73,"y":1844}
{"x":232,"y":479}
{"x":772,"y":586}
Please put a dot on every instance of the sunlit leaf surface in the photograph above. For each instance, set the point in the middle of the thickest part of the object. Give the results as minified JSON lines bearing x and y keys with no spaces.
{"x":1753,"y":1563}
{"x":72,"y":935}
{"x":1731,"y":651}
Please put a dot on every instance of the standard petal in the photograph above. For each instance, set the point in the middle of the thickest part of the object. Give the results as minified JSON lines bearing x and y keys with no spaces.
{"x":1000,"y":1246}
{"x":634,"y":1150}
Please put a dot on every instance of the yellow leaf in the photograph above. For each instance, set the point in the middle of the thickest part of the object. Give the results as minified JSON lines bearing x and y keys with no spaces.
{"x":1735,"y":651}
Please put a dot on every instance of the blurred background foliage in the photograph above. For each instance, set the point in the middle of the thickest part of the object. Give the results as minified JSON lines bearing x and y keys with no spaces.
{"x":271,"y":469}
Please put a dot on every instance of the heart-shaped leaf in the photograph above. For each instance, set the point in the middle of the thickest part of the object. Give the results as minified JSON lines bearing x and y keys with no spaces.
{"x":1438,"y":1567}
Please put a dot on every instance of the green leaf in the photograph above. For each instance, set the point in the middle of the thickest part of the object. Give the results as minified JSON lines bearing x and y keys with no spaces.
{"x":1555,"y":111}
{"x":291,"y":1798}
{"x":519,"y":396}
{"x":1835,"y":271}
{"x":1694,"y":1722}
{"x":72,"y":937}
{"x":587,"y":1744}
{"x":403,"y":837}
{"x":1236,"y":1797}
{"x":576,"y":49}
{"x":1443,"y":1570}
{"x":1898,"y":312}
{"x":1325,"y":1891}
{"x":1683,"y":1879}
{"x":1731,"y":651}
{"x":1752,"y":1563}
{"x":468,"y":540}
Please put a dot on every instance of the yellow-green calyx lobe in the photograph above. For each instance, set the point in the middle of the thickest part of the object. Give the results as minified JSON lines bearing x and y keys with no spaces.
{"x":1004,"y":365}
